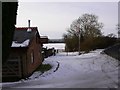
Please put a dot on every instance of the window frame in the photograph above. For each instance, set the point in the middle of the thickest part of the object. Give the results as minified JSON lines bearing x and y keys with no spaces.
{"x":32,"y":57}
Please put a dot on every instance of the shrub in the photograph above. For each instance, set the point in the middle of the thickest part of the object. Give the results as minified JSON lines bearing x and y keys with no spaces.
{"x":44,"y":67}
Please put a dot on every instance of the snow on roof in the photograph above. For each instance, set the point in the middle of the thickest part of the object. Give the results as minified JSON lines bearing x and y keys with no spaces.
{"x":24,"y":44}
{"x":54,"y":45}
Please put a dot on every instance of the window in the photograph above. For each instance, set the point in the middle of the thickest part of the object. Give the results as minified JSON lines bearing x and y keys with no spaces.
{"x":32,"y":57}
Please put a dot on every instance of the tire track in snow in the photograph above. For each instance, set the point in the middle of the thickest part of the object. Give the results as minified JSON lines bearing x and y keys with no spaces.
{"x":57,"y":67}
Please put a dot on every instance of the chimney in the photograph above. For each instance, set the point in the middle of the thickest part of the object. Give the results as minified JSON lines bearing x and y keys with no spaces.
{"x":29,"y":23}
{"x":29,"y":29}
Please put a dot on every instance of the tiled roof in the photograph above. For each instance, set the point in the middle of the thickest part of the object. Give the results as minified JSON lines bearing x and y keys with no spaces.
{"x":21,"y":34}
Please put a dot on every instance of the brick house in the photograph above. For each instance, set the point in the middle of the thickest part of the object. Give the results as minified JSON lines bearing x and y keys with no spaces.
{"x":25,"y":54}
{"x":44,"y":39}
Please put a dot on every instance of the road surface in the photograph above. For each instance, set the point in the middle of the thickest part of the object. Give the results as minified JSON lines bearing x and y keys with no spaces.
{"x":92,"y":70}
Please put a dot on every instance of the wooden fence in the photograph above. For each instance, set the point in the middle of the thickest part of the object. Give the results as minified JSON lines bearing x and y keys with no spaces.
{"x":12,"y":68}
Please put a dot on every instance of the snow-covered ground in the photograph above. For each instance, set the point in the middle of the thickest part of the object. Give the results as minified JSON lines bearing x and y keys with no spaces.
{"x":92,"y":70}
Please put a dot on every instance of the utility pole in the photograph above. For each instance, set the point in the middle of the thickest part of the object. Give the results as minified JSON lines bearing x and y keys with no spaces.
{"x":79,"y":41}
{"x":66,"y":47}
{"x":79,"y":33}
{"x":118,"y":33}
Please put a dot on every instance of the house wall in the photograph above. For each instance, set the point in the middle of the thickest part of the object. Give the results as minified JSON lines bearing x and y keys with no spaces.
{"x":24,"y":65}
{"x":34,"y":48}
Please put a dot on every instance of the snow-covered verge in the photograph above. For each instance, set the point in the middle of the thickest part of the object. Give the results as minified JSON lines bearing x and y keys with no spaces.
{"x":38,"y":74}
{"x":91,"y":70}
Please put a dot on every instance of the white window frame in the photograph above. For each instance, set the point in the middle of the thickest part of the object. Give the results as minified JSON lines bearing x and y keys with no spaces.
{"x":32,"y":57}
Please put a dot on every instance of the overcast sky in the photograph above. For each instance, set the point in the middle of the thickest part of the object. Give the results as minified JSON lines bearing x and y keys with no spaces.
{"x":53,"y":18}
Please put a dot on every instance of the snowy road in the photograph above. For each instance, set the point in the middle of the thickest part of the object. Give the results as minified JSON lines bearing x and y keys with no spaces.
{"x":92,"y":70}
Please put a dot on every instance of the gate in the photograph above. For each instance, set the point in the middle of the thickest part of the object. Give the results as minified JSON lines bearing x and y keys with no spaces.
{"x":12,"y":68}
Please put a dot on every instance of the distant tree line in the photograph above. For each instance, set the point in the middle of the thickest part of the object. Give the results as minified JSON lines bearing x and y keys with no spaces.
{"x":87,"y":29}
{"x":56,"y":41}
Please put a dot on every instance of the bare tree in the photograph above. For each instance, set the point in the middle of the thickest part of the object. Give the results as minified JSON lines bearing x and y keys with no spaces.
{"x":86,"y":26}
